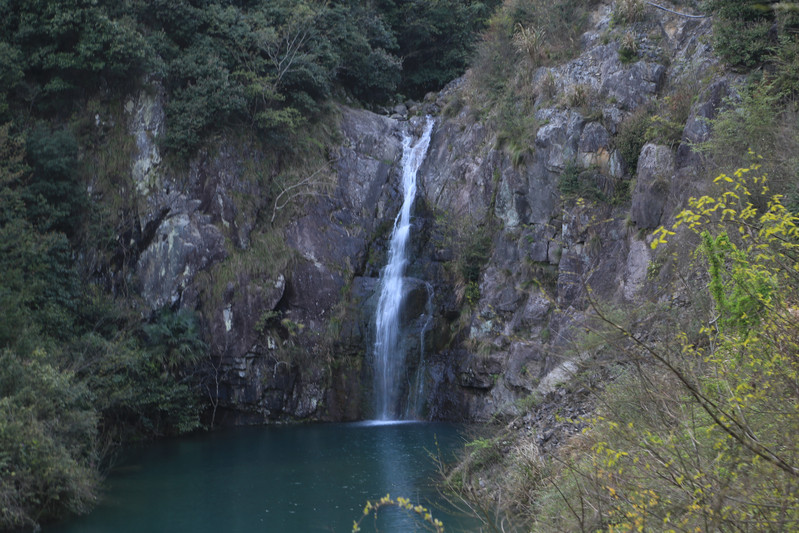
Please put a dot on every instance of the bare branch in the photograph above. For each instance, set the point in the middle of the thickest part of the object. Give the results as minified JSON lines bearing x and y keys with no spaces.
{"x":309,"y":185}
{"x":677,"y":12}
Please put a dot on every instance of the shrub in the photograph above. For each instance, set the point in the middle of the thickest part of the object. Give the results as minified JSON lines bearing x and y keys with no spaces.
{"x":47,"y":442}
{"x":758,"y":123}
{"x":64,"y":56}
{"x":628,"y":10}
{"x":631,"y":137}
{"x":576,"y":182}
{"x":628,"y":51}
{"x":435,"y":39}
{"x":55,"y":197}
{"x":530,"y":41}
{"x":741,"y":32}
{"x":203,"y":97}
{"x":535,"y":31}
{"x":366,"y":45}
{"x":694,"y":434}
{"x":516,"y":128}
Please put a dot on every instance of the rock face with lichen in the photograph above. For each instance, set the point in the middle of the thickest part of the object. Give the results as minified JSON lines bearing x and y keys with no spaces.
{"x":508,"y":250}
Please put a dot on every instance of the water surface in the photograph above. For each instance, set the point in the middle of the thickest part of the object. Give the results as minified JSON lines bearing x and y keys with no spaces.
{"x":292,"y":479}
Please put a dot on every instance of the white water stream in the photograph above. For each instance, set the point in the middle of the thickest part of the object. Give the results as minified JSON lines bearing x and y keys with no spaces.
{"x":389,"y":357}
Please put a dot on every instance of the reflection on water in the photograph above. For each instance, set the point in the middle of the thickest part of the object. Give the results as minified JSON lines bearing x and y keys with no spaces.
{"x":313,"y":478}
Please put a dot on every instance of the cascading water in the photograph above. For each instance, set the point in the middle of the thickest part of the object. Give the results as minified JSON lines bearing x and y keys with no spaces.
{"x":389,"y":357}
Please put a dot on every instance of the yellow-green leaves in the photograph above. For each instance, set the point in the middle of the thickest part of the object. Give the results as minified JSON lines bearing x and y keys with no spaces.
{"x":422,"y":514}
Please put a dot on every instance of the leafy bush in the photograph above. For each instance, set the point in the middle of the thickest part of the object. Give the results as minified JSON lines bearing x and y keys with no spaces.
{"x":55,"y":198}
{"x":203,"y":97}
{"x":366,"y":44}
{"x":631,"y":137}
{"x":174,"y":339}
{"x":516,"y":128}
{"x":758,"y":123}
{"x":77,"y":371}
{"x":70,"y":47}
{"x":11,"y":74}
{"x":474,"y":255}
{"x":671,"y":114}
{"x":577,"y":182}
{"x":525,"y":30}
{"x":741,"y":31}
{"x":269,"y":63}
{"x":435,"y":38}
{"x":628,"y":51}
{"x":48,"y":465}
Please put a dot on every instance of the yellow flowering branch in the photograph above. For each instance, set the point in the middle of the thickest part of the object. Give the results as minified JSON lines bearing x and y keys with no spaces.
{"x":417,"y":511}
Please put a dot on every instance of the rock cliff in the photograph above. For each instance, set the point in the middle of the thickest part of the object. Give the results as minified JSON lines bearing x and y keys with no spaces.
{"x":512,"y":247}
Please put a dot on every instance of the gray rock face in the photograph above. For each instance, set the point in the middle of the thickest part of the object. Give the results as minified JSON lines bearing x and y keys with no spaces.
{"x":525,"y":195}
{"x":458,"y":173}
{"x":633,"y":86}
{"x":559,"y":137}
{"x":146,"y":119}
{"x":697,"y":128}
{"x":369,"y":154}
{"x":656,"y":167}
{"x":183,"y":245}
{"x":179,"y":237}
{"x":230,"y":198}
{"x":324,"y":289}
{"x":548,"y":250}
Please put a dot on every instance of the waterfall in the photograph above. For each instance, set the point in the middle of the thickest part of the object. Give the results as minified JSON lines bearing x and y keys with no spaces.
{"x":389,"y":357}
{"x":416,"y":394}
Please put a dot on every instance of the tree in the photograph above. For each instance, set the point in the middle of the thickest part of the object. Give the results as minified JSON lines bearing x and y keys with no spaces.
{"x":436,"y":39}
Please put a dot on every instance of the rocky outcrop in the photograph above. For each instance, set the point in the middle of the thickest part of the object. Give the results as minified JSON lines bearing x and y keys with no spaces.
{"x":656,"y":168}
{"x":511,"y":256}
{"x":553,"y":252}
{"x":273,"y":331}
{"x":286,"y":370}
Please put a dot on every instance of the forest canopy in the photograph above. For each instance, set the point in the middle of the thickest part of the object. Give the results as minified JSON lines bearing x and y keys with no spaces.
{"x":270,"y":64}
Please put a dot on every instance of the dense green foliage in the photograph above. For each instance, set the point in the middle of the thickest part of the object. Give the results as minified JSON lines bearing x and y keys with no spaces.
{"x":761,"y":120}
{"x":746,"y":33}
{"x":435,"y":38}
{"x":267,"y":64}
{"x":78,"y":371}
